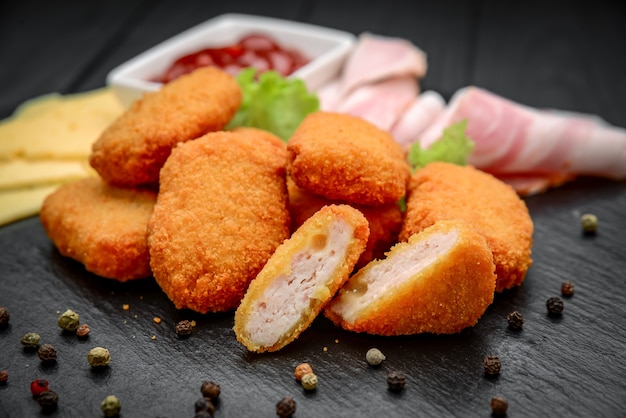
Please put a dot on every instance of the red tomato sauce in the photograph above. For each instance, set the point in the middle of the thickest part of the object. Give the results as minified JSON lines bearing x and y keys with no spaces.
{"x":253,"y":50}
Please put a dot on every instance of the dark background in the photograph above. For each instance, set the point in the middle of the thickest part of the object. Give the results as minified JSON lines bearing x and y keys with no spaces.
{"x":562,"y":55}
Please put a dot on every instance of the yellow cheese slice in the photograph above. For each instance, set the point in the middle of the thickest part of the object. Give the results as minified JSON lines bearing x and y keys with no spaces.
{"x":58,"y":127}
{"x":20,"y":173}
{"x":22,"y":203}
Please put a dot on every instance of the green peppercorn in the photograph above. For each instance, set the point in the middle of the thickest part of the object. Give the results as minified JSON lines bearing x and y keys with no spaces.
{"x":286,"y":407}
{"x":567,"y":288}
{"x":69,"y":320}
{"x":374,"y":357}
{"x":492,"y":365}
{"x":47,"y":353}
{"x":309,"y":381}
{"x":4,"y":317}
{"x":589,"y":223}
{"x":111,"y":406}
{"x":48,"y":401}
{"x":30,"y":340}
{"x":499,"y":405}
{"x":210,"y":390}
{"x":204,"y":404}
{"x":396,"y":380}
{"x":98,"y":357}
{"x":515,"y":320}
{"x":4,"y":377}
{"x":184,"y":328}
{"x":555,"y":306}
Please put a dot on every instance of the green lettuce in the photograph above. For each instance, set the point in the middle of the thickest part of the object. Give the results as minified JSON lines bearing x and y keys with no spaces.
{"x":454,"y":147}
{"x":273,"y":103}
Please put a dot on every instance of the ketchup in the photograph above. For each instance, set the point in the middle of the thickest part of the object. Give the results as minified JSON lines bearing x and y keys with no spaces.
{"x":253,"y":50}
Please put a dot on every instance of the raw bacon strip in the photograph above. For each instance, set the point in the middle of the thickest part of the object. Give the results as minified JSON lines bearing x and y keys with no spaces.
{"x":424,"y":110}
{"x":381,"y":103}
{"x":512,"y":138}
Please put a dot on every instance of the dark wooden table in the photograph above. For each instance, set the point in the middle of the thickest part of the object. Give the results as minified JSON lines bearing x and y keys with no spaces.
{"x":540,"y":53}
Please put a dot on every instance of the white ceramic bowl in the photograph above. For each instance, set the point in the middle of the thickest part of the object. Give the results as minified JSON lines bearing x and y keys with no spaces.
{"x":326,"y":48}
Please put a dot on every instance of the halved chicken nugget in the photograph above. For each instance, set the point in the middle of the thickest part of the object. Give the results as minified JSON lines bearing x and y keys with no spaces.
{"x":441,"y":281}
{"x":304,"y":274}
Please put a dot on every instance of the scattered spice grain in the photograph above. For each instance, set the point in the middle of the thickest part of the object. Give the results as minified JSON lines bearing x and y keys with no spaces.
{"x":47,"y":353}
{"x":555,"y":306}
{"x":302,"y":369}
{"x":499,"y":406}
{"x":126,"y":306}
{"x":156,"y":320}
{"x":184,"y":328}
{"x":99,"y":357}
{"x":30,"y":340}
{"x":396,"y":380}
{"x":48,"y":401}
{"x":4,"y":317}
{"x":515,"y":320}
{"x":4,"y":377}
{"x":82,"y":331}
{"x":492,"y":365}
{"x":589,"y":223}
{"x":309,"y":381}
{"x":567,"y":288}
{"x":286,"y":407}
{"x":111,"y":406}
{"x":38,"y":386}
{"x":69,"y":321}
{"x":210,"y":390}
{"x":374,"y":357}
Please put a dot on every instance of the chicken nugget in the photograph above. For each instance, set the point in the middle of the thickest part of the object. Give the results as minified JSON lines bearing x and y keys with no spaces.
{"x":300,"y":278}
{"x":132,"y":150}
{"x":384,"y":221}
{"x":441,"y":281}
{"x":343,"y":157}
{"x":220,"y":214}
{"x":103,"y":227}
{"x":443,"y":191}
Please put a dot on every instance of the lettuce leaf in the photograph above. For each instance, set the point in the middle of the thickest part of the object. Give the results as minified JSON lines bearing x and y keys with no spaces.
{"x":273,"y":102}
{"x":454,"y":147}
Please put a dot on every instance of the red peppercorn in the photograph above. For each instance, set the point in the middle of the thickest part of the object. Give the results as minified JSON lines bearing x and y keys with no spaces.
{"x":38,"y":386}
{"x":4,"y":377}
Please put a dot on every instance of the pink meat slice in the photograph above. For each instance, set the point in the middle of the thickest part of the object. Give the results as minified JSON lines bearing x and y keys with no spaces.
{"x":512,"y":138}
{"x":420,"y":115}
{"x":328,"y":95}
{"x":381,"y":103}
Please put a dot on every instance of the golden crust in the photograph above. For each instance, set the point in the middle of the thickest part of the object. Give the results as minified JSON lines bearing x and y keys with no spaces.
{"x":448,"y":293}
{"x":316,"y":235}
{"x":442,"y":191}
{"x":343,"y":157}
{"x":101,"y":226}
{"x":220,"y":214}
{"x":132,"y":150}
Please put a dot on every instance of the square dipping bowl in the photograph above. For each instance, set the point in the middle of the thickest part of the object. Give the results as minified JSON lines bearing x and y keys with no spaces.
{"x":326,"y":49}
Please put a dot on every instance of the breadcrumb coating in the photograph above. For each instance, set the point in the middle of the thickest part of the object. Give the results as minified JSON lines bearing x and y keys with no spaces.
{"x":444,"y":191}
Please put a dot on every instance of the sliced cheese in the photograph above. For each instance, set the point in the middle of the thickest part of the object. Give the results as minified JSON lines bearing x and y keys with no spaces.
{"x":21,"y":173}
{"x":22,"y":203}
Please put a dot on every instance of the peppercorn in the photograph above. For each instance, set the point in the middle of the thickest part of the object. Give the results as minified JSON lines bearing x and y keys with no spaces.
{"x":47,"y":353}
{"x":210,"y":390}
{"x":48,"y":400}
{"x":492,"y":365}
{"x":286,"y":407}
{"x":203,"y":414}
{"x":184,"y":328}
{"x":499,"y":405}
{"x":374,"y":357}
{"x":4,"y":377}
{"x":589,"y":223}
{"x":301,"y":370}
{"x":111,"y":406}
{"x":82,"y":331}
{"x":98,"y":357}
{"x":204,"y":404}
{"x":30,"y":340}
{"x":309,"y":381}
{"x":396,"y":381}
{"x":38,"y":386}
{"x":555,"y":306}
{"x":567,"y":288}
{"x":4,"y":317}
{"x":69,"y":321}
{"x":515,"y":320}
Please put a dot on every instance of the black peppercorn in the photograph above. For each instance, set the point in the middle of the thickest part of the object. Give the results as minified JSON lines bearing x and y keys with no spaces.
{"x":47,"y":353}
{"x":4,"y":376}
{"x":204,"y":404}
{"x":567,"y":289}
{"x":286,"y":407}
{"x":492,"y":365}
{"x":4,"y":317}
{"x":184,"y":328}
{"x":555,"y":306}
{"x":396,"y":380}
{"x":515,"y":320}
{"x":48,"y":400}
{"x":499,"y":405}
{"x":210,"y":390}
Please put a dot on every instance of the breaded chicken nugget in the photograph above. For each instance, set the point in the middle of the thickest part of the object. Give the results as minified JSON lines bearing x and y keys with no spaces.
{"x":220,"y":214}
{"x":443,"y":191}
{"x":384,"y":221}
{"x":132,"y":150}
{"x":304,"y":274}
{"x":343,"y":157}
{"x":441,"y":281}
{"x":101,"y":226}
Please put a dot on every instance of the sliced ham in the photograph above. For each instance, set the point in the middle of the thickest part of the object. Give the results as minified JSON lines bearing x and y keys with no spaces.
{"x":420,"y":115}
{"x":512,"y":138}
